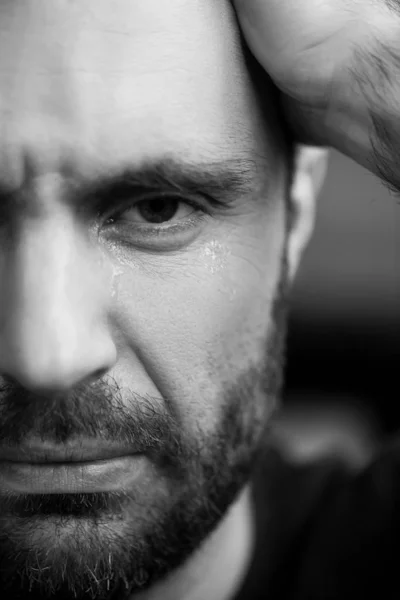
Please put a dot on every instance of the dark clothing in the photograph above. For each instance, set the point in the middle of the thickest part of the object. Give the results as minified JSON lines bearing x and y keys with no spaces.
{"x":325,"y":530}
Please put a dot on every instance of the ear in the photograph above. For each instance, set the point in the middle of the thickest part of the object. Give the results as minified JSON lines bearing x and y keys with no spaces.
{"x":311,"y":165}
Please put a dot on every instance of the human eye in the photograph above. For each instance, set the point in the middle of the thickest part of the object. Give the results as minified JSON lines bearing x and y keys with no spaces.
{"x":158,"y":219}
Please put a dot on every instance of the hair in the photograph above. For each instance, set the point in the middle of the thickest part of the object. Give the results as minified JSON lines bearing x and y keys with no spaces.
{"x":269,"y":96}
{"x":269,"y":99}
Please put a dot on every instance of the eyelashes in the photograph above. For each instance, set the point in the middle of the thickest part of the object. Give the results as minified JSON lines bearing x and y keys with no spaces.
{"x":161,"y":208}
{"x":159,"y":221}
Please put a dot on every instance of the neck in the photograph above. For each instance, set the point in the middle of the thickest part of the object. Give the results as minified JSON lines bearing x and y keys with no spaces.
{"x":217,"y":569}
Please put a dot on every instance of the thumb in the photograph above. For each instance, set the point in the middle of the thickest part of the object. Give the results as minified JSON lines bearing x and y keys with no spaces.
{"x":298,"y":42}
{"x":262,"y":22}
{"x":285,"y":39}
{"x":276,"y":30}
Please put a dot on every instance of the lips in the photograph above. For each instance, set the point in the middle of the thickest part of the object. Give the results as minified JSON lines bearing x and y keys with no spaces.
{"x":84,"y":466}
{"x":70,"y":477}
{"x":81,"y":451}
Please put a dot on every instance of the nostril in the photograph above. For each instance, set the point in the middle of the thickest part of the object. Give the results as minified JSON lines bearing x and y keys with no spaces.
{"x":98,"y":374}
{"x":56,"y":358}
{"x":7,"y":382}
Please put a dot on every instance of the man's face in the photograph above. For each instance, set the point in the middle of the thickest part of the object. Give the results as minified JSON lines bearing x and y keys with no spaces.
{"x":141,"y":247}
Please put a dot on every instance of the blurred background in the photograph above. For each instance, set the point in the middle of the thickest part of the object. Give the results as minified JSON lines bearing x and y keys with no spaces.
{"x":344,"y":344}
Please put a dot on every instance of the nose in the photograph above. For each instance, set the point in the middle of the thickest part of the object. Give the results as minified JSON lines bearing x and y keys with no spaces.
{"x":54,"y":331}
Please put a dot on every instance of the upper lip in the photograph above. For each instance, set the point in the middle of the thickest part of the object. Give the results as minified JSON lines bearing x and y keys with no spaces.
{"x":84,"y":450}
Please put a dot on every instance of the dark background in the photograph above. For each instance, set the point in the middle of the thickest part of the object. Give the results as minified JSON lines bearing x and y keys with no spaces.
{"x":344,"y":342}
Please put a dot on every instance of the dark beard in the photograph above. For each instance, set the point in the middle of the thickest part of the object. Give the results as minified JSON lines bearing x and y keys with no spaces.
{"x":102,"y":557}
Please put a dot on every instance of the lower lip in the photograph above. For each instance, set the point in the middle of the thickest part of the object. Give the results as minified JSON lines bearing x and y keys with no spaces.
{"x":70,"y":478}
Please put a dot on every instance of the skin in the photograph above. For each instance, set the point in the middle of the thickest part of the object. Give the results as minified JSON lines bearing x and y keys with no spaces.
{"x":110,"y":335}
{"x":336,"y":64}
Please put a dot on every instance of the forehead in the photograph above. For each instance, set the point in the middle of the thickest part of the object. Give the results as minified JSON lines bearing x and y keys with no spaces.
{"x":104,"y":82}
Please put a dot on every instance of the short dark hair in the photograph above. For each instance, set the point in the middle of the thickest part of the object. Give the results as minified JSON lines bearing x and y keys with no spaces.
{"x":268,"y":97}
{"x":269,"y":101}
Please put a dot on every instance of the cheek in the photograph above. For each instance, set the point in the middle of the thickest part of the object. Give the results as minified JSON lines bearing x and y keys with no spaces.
{"x":190,"y":323}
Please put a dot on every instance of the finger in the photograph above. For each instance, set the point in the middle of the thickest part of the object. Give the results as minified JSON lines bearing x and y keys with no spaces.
{"x":262,"y":22}
{"x":293,"y":38}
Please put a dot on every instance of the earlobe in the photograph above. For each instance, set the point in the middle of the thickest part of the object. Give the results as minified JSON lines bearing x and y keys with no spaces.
{"x":310,"y":170}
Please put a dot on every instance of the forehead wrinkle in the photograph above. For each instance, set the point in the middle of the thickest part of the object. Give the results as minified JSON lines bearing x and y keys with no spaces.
{"x":186,"y":121}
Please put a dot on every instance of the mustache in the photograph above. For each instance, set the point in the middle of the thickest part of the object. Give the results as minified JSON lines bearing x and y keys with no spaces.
{"x":97,"y":410}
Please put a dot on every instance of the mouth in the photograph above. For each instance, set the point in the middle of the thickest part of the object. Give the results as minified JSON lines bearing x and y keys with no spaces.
{"x":82,"y":468}
{"x":81,"y":451}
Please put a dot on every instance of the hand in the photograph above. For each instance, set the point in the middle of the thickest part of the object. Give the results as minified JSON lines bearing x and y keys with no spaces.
{"x":301,"y":43}
{"x":327,"y":58}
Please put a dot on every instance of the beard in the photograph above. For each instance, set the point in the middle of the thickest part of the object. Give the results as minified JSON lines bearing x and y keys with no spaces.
{"x":109,"y":545}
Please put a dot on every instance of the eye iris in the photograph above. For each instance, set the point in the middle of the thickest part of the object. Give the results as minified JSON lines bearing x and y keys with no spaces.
{"x":158,"y":210}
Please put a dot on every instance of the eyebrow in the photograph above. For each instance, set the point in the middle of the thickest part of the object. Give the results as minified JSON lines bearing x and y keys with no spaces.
{"x":221,"y":181}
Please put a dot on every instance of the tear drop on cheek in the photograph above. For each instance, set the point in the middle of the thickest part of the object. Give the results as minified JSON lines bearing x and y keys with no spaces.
{"x":115,"y":282}
{"x":215,"y":256}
